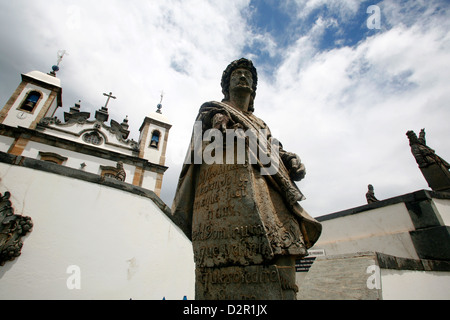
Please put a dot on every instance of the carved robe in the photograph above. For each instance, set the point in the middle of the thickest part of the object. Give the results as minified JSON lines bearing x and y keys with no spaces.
{"x":234,"y":215}
{"x":246,"y":227}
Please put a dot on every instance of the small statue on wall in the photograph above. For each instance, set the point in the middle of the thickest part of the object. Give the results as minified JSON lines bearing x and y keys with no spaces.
{"x":370,"y":195}
{"x":120,"y":175}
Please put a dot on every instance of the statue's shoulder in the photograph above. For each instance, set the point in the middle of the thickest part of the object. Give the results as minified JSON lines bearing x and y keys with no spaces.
{"x":213,"y":104}
{"x":259,"y":121}
{"x":212,"y":107}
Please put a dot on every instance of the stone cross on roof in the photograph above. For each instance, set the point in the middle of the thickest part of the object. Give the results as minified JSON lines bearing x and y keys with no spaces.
{"x":109,"y":96}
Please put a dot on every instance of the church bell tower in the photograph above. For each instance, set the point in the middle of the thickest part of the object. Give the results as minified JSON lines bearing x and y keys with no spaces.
{"x":154,"y":134}
{"x":37,"y":96}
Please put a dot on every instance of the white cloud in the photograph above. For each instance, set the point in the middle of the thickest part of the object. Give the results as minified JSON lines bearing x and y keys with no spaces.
{"x":342,"y":8}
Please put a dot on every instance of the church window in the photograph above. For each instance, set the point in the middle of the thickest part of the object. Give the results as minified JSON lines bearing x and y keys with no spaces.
{"x":108,"y":171}
{"x":52,"y":157}
{"x":109,"y":174}
{"x":30,"y":101}
{"x":93,"y":138}
{"x":154,"y":142}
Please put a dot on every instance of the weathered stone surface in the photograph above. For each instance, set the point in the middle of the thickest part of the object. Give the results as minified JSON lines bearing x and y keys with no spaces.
{"x":340,"y":278}
{"x":255,"y":282}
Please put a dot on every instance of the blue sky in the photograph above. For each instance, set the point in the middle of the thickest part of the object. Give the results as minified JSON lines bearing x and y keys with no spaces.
{"x":337,"y":93}
{"x":283,"y":22}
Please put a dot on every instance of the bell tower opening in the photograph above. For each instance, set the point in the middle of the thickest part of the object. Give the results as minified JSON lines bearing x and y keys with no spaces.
{"x":154,"y":142}
{"x":30,"y":101}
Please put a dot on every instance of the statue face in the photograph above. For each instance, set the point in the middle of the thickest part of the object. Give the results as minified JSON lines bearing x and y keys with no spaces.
{"x":241,"y":79}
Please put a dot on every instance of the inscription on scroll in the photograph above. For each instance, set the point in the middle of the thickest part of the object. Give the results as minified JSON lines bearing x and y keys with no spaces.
{"x":227,"y":229}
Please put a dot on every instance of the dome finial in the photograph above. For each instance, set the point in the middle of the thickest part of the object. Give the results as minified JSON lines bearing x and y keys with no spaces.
{"x":159,"y":106}
{"x":55,"y":68}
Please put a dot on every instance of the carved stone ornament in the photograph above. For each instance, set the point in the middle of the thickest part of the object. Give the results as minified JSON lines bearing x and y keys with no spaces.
{"x":12,"y":228}
{"x":49,"y":120}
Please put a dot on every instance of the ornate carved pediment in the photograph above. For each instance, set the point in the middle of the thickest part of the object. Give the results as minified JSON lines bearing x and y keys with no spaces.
{"x":120,"y":132}
{"x":49,"y":120}
{"x":12,"y":228}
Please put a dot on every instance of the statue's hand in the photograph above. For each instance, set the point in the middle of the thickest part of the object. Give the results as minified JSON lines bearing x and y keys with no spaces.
{"x":297,"y":171}
{"x":296,"y":168}
{"x":220,"y":121}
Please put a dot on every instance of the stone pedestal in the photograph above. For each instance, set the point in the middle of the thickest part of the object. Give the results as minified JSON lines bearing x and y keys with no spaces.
{"x":438,"y":178}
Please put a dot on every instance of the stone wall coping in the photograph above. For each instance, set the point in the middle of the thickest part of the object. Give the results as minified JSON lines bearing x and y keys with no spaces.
{"x":415,"y":196}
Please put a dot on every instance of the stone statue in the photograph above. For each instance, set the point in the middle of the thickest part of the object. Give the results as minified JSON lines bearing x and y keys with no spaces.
{"x":237,"y":202}
{"x":120,"y":175}
{"x":434,"y":168}
{"x":370,"y":195}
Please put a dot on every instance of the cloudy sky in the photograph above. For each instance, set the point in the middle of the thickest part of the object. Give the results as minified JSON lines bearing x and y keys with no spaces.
{"x":340,"y":82}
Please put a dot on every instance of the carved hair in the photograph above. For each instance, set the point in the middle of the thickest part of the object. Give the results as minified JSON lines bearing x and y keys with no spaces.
{"x":225,"y":83}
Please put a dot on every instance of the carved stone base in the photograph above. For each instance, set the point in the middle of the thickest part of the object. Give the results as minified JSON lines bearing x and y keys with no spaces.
{"x":255,"y":282}
{"x":438,"y":178}
{"x":238,"y":283}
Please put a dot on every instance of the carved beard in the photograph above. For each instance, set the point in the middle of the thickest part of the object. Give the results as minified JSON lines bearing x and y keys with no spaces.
{"x":242,"y":86}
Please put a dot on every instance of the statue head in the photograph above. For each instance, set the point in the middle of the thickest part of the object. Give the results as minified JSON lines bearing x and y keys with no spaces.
{"x":225,"y":82}
{"x":412,"y":137}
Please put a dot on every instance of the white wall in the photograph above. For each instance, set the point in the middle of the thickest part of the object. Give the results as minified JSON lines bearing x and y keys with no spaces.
{"x":123,"y":244}
{"x":443,"y":207}
{"x":5,"y":143}
{"x":383,"y":230}
{"x":415,"y":285}
{"x":75,"y":159}
{"x":149,"y":180}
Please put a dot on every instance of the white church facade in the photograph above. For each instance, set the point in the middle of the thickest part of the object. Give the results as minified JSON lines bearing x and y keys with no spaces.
{"x":91,"y":195}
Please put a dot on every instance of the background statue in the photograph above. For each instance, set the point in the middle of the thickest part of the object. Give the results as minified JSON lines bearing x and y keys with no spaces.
{"x":423,"y":154}
{"x":370,"y":195}
{"x":120,"y":175}
{"x":434,"y":168}
{"x":247,"y":228}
